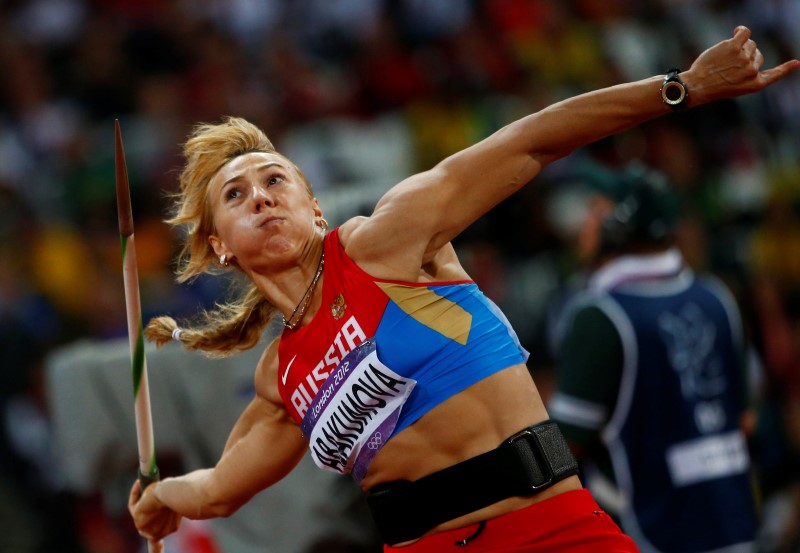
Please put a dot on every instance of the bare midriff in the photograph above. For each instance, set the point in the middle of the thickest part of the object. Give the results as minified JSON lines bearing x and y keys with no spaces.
{"x":468,"y":424}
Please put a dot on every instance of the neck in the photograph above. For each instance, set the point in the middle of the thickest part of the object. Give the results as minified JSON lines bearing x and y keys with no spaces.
{"x":295,"y":317}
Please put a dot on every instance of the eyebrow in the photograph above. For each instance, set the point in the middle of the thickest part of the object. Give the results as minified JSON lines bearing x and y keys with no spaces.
{"x":259,"y":168}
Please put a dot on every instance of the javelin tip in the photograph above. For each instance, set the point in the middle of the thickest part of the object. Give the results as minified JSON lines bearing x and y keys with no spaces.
{"x":124,"y":210}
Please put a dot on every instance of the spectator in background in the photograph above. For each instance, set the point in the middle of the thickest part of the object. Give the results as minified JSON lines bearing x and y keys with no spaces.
{"x":651,"y":383}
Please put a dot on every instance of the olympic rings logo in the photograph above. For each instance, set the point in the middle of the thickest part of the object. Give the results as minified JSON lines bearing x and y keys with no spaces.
{"x":376,"y":442}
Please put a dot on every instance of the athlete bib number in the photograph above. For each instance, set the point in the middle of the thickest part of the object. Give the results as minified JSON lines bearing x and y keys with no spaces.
{"x":355,"y":412}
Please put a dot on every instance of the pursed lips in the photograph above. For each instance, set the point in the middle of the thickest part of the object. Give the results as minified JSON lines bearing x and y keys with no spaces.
{"x":268,"y":221}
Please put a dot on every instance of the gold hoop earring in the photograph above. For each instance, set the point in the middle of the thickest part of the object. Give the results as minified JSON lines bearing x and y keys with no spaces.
{"x":223,"y":260}
{"x":323,"y":224}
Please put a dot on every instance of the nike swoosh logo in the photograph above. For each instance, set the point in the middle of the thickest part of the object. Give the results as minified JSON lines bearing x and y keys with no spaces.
{"x":286,"y":372}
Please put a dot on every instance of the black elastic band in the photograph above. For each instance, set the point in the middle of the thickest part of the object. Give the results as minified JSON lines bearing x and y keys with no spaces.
{"x":147,"y":479}
{"x":525,"y":464}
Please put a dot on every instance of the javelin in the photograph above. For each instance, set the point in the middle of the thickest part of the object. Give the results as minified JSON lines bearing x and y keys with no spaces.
{"x":148,"y":471}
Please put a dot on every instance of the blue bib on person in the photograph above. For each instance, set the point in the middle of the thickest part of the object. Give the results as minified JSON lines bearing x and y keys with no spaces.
{"x":679,"y":456}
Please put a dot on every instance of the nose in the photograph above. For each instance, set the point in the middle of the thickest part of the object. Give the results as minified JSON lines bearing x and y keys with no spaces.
{"x":261,"y":198}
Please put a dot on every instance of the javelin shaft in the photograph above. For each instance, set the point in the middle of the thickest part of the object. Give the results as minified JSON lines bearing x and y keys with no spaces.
{"x":148,"y":470}
{"x":141,"y":392}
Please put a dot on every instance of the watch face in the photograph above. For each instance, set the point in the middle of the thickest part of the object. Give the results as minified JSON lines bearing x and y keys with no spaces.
{"x":673,"y":93}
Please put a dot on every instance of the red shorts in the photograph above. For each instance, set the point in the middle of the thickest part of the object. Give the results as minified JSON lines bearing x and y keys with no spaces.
{"x":569,"y":522}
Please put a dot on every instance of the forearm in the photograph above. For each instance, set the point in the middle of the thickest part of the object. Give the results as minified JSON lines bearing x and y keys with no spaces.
{"x":565,"y":126}
{"x":267,"y":451}
{"x":219,"y":491}
{"x":515,"y":154}
{"x":728,"y":69}
{"x":158,"y":510}
{"x":191,"y":496}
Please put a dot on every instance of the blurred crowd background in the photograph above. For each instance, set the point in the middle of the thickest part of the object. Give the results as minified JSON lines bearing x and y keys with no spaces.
{"x":361,"y":93}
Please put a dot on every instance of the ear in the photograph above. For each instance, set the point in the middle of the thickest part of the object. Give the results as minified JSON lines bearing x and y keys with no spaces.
{"x":317,"y":208}
{"x":219,"y":246}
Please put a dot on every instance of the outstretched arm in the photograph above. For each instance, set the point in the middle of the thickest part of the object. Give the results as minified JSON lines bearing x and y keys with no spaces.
{"x":438,"y":204}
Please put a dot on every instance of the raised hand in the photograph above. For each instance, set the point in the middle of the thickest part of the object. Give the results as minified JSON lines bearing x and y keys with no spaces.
{"x":732,"y":68}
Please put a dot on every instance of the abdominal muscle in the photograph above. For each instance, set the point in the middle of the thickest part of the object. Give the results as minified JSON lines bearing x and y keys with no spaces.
{"x":468,"y":424}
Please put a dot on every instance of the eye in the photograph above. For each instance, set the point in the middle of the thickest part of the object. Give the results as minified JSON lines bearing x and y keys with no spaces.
{"x":232,"y":193}
{"x":275,"y":179}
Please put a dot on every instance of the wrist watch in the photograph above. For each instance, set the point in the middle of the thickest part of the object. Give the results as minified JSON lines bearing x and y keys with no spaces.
{"x":673,"y":90}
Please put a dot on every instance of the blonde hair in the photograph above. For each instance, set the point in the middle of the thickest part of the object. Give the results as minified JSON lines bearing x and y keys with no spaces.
{"x":237,"y":325}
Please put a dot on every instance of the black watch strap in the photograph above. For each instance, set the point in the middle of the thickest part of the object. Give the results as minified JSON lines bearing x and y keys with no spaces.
{"x":673,"y":90}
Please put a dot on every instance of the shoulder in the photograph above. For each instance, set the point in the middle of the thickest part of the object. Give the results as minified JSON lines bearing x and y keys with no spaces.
{"x":383,"y":254}
{"x":587,"y":331}
{"x":348,"y":228}
{"x":730,"y":304}
{"x":373,"y":254}
{"x":590,"y":322}
{"x":717,"y":287}
{"x":587,"y":304}
{"x":354,"y":238}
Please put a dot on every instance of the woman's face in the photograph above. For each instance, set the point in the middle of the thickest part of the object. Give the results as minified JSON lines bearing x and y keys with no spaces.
{"x":263,"y":213}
